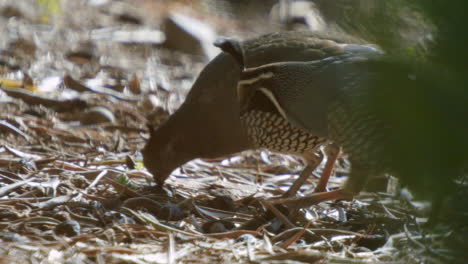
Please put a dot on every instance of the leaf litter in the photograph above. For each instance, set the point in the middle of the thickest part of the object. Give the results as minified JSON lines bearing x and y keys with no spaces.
{"x":73,"y":188}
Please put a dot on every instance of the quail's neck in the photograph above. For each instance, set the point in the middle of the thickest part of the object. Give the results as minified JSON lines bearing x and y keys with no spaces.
{"x":211,"y":111}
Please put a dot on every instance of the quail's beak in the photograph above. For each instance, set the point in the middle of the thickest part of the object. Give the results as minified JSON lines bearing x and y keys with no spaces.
{"x":159,"y":180}
{"x":155,"y":173}
{"x":160,"y":176}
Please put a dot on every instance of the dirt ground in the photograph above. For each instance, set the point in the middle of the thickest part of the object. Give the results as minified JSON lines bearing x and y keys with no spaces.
{"x":79,"y":81}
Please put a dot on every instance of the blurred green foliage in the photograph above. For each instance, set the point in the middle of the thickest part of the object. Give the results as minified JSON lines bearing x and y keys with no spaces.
{"x":124,"y":180}
{"x":49,"y":8}
{"x":422,"y":90}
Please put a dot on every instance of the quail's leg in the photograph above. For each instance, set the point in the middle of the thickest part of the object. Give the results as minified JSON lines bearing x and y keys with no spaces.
{"x":312,"y":164}
{"x":315,"y":198}
{"x":358,"y":177}
{"x":356,"y":181}
{"x":332,"y":151}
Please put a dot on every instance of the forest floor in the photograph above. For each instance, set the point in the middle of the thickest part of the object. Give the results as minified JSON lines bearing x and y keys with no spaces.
{"x":78,"y":84}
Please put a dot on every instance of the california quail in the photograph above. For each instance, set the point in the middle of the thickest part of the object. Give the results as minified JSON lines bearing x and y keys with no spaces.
{"x":215,"y":120}
{"x":345,"y":98}
{"x":317,"y":95}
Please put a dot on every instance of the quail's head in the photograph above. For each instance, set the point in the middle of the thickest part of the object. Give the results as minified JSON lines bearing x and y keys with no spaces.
{"x":162,"y":153}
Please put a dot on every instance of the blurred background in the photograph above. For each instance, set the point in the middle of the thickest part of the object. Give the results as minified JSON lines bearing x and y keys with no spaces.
{"x":80,"y":79}
{"x":52,"y":47}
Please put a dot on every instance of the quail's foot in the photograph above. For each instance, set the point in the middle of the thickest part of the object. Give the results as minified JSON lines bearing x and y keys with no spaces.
{"x":340,"y":194}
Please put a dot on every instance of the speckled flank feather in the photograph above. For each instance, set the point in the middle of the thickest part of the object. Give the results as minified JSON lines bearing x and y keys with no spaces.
{"x":357,"y":132}
{"x":271,"y":131}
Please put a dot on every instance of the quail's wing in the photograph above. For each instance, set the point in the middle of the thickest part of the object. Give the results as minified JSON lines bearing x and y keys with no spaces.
{"x":303,"y":92}
{"x":285,"y":46}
